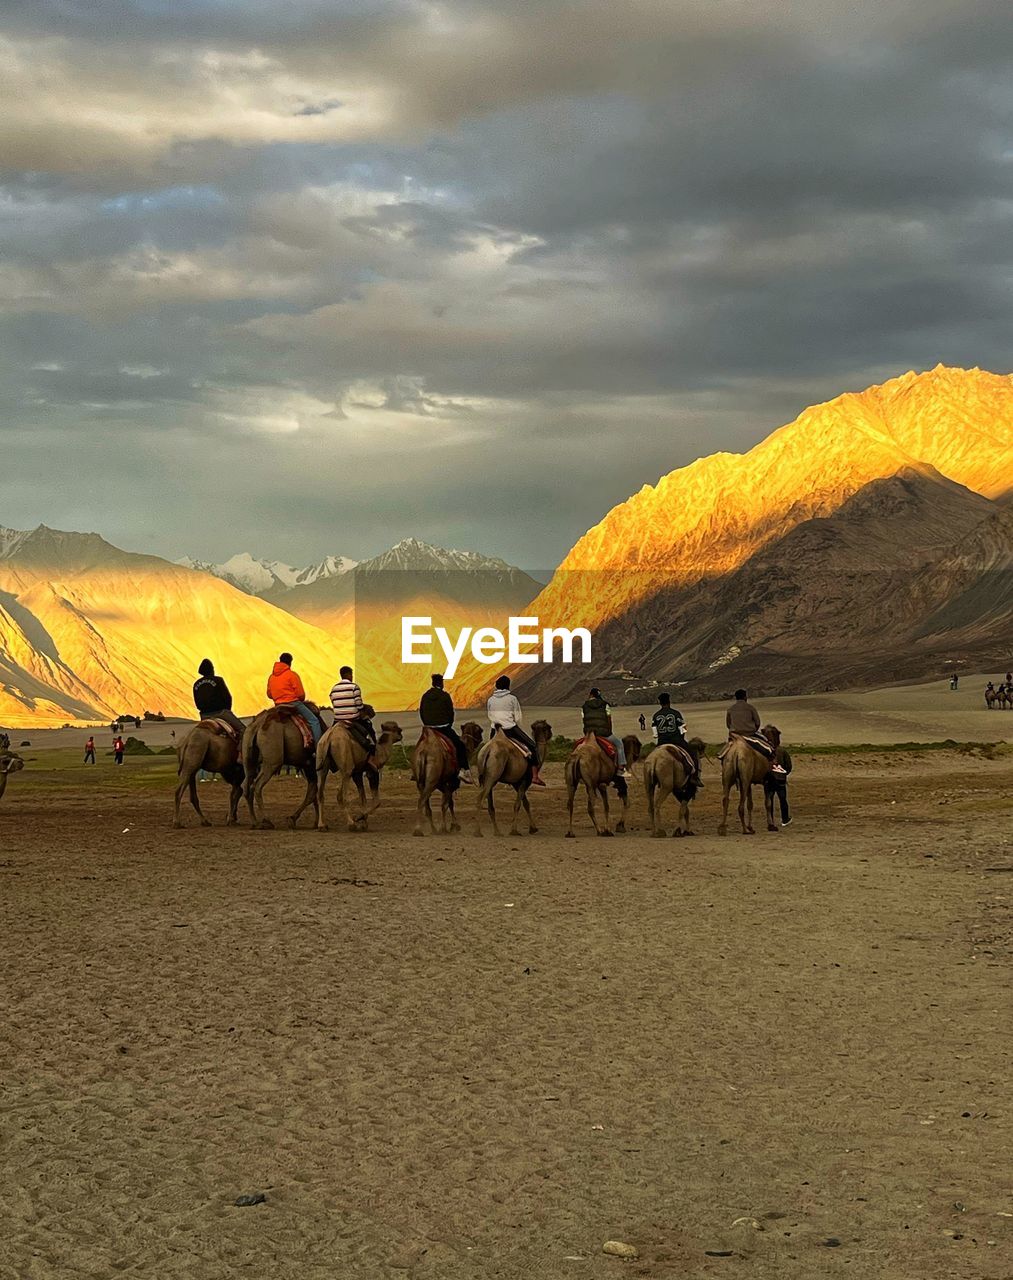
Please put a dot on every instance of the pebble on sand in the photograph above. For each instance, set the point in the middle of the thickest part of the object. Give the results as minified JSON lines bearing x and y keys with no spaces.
{"x":256,"y":1197}
{"x":617,"y":1249}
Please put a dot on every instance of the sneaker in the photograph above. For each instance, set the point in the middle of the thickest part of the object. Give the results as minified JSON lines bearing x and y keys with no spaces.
{"x":786,"y":822}
{"x":465,"y":776}
{"x":625,"y":773}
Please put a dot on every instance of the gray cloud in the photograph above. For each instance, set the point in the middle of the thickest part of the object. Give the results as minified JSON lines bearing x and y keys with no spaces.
{"x":428,"y":255}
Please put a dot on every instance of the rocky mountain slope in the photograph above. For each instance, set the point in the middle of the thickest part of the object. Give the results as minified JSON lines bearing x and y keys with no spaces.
{"x":88,"y":631}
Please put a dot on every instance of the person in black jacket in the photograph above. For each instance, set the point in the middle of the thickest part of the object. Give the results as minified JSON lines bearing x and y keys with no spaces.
{"x":212,"y":698}
{"x":436,"y":711}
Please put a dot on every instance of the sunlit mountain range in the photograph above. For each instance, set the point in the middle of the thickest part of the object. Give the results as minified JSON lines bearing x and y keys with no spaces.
{"x":869,"y":540}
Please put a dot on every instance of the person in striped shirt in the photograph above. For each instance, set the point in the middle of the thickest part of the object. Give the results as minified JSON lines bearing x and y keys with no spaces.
{"x":347,"y":705}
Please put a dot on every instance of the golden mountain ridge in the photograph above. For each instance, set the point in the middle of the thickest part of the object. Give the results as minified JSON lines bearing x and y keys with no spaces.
{"x":709,"y":517}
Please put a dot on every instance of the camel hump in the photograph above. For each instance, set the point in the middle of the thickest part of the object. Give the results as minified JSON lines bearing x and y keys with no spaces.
{"x":221,"y":729}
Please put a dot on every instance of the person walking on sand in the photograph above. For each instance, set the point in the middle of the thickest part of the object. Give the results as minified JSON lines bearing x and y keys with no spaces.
{"x":118,"y":749}
{"x":642,"y":722}
{"x":776,"y":782}
{"x":89,"y":751}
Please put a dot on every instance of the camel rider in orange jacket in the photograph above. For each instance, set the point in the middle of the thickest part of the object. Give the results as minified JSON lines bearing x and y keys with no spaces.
{"x":285,"y":689}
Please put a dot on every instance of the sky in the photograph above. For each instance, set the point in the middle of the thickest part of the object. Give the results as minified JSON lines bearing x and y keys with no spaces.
{"x":302,"y":279}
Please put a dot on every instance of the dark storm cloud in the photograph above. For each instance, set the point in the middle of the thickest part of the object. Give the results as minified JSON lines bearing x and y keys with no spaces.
{"x":448,"y":252}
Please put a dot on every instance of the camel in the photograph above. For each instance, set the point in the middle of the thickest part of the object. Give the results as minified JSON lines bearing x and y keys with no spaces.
{"x":633,"y":748}
{"x":591,"y":765}
{"x":271,"y":741}
{"x":208,"y":747}
{"x":744,"y":767}
{"x":434,"y":771}
{"x":341,"y":753}
{"x":500,"y":761}
{"x":10,"y":762}
{"x":991,"y":698}
{"x":667,"y":773}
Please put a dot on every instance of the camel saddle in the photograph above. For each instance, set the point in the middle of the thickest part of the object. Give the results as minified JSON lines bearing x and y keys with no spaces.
{"x":221,"y":728}
{"x":604,"y":743}
{"x":755,"y":740}
{"x":286,"y":713}
{"x":681,"y":753}
{"x":511,"y":742}
{"x":449,"y":749}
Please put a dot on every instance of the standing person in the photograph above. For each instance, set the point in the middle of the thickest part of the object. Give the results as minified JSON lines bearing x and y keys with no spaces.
{"x":349,"y":708}
{"x":89,"y":751}
{"x":642,"y":722}
{"x":742,"y":718}
{"x":597,"y":716}
{"x":436,"y":711}
{"x":285,"y":689}
{"x":776,"y":782}
{"x":668,"y":727}
{"x":505,"y":713}
{"x":118,"y":750}
{"x":212,"y":698}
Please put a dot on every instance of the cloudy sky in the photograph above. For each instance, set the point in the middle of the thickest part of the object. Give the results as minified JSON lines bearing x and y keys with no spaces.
{"x":305,"y":277}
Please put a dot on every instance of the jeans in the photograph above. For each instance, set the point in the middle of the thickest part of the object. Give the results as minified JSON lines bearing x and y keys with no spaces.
{"x":617,"y":742}
{"x":779,"y":789}
{"x":314,"y":722}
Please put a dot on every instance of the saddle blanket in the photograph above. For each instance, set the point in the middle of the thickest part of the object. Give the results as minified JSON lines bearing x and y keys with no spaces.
{"x":604,"y":743}
{"x":756,"y":740}
{"x":300,"y":723}
{"x":685,"y":756}
{"x":449,"y":750}
{"x":222,"y":728}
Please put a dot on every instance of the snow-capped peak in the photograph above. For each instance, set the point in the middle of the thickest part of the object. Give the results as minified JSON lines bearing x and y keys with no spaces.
{"x":261,"y":577}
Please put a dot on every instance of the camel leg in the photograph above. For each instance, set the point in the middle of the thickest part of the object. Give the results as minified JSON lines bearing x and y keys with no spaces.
{"x":590,"y":808}
{"x":527,"y":809}
{"x":516,"y":812}
{"x":746,"y":808}
{"x":603,"y":791}
{"x":420,"y":809}
{"x":478,"y":806}
{"x":183,"y":786}
{"x":658,"y":825}
{"x":726,"y":795}
{"x":491,"y":805}
{"x":683,"y":826}
{"x":235,"y":795}
{"x":310,"y":798}
{"x":205,"y":822}
{"x":624,"y":803}
{"x":323,"y":769}
{"x":257,"y":799}
{"x":354,"y":823}
{"x":571,"y":791}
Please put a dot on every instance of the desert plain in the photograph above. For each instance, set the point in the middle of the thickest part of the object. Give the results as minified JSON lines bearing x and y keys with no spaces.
{"x":785,"y":1055}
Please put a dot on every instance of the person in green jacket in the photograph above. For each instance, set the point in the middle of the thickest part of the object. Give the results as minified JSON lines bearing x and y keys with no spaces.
{"x":598,"y":720}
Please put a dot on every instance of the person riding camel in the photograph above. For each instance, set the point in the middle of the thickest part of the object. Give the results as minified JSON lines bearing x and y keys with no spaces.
{"x":285,"y":689}
{"x":436,"y":711}
{"x":505,"y":714}
{"x":212,"y":698}
{"x":350,"y":710}
{"x":597,"y":716}
{"x":668,"y":727}
{"x":742,"y":718}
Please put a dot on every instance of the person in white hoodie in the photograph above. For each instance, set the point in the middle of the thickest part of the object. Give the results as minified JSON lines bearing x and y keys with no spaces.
{"x":506,"y":715}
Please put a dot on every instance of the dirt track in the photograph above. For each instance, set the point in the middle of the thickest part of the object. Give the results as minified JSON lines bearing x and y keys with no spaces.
{"x":454,"y":1058}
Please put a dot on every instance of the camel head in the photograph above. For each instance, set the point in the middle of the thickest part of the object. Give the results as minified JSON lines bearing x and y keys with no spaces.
{"x":772,"y":734}
{"x":11,"y":762}
{"x":391,"y":730}
{"x":472,"y":734}
{"x":541,"y":731}
{"x":698,"y":745}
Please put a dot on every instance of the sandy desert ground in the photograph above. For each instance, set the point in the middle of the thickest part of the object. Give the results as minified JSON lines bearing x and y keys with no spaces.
{"x":779,"y":1056}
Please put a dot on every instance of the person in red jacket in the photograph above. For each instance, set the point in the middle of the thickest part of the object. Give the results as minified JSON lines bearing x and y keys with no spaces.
{"x":285,"y":689}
